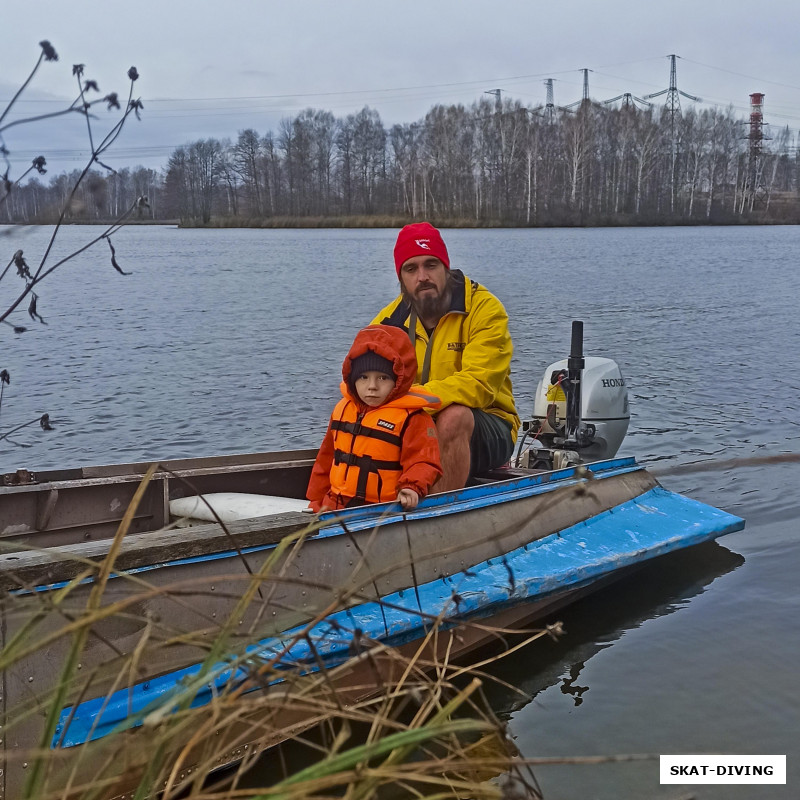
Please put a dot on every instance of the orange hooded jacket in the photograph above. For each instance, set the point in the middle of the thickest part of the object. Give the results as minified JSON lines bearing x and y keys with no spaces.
{"x":417,"y":455}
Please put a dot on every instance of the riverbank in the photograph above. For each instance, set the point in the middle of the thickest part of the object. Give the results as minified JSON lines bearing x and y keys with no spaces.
{"x":398,"y":222}
{"x":788,"y":217}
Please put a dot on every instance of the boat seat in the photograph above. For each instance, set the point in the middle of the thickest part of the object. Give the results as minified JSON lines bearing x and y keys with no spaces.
{"x":229,"y":506}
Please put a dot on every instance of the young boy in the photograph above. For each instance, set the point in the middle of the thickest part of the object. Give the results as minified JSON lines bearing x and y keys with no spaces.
{"x":380,"y":445}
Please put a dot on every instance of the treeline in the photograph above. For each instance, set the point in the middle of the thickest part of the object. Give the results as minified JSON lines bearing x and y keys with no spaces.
{"x":492,"y":163}
{"x":99,"y":197}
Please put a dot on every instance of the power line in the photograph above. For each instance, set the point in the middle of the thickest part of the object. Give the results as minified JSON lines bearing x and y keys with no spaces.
{"x":742,"y":75}
{"x":328,"y":94}
{"x":257,"y":106}
{"x":382,"y":92}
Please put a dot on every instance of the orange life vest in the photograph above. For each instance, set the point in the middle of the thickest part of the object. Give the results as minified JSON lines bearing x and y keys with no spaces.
{"x":367,"y":446}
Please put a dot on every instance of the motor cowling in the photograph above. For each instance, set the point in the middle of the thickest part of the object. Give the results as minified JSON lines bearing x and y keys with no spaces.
{"x":605,"y":412}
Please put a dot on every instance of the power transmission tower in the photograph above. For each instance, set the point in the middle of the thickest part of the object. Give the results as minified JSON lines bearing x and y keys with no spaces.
{"x":550,"y":106}
{"x":584,"y":101}
{"x":500,"y":157}
{"x":673,"y":106}
{"x":498,"y":102}
{"x":673,"y":103}
{"x":628,"y":101}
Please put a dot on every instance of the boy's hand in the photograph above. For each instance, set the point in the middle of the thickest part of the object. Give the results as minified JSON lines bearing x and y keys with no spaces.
{"x":408,"y":499}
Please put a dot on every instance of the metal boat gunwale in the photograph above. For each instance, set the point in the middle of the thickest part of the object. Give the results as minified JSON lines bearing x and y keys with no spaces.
{"x":479,"y":496}
{"x":170,"y":467}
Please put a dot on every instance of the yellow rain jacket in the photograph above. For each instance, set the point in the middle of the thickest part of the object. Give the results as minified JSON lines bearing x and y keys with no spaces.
{"x":467,"y":358}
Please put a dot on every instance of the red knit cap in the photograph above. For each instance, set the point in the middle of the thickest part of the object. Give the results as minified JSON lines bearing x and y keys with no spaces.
{"x":419,"y":239}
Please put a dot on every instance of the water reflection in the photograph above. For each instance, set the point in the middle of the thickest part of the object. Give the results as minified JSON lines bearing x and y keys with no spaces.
{"x":570,"y":686}
{"x":594,"y":623}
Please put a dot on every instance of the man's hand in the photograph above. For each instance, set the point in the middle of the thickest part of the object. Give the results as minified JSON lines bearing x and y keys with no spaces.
{"x":408,"y":499}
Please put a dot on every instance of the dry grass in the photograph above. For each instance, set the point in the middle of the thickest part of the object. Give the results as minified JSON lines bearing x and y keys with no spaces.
{"x":408,"y":721}
{"x":352,"y":221}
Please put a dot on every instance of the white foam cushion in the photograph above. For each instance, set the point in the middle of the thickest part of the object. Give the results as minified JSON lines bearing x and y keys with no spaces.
{"x":231,"y":506}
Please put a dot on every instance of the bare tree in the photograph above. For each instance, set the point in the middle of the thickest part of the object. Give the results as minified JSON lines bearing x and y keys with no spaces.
{"x":368,"y":157}
{"x":248,"y":163}
{"x":323,"y":138}
{"x":229,"y":180}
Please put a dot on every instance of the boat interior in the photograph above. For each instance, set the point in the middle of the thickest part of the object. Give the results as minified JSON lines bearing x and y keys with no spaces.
{"x":86,"y":504}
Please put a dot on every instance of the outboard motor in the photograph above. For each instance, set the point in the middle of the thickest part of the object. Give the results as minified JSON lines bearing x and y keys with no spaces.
{"x":580,"y":411}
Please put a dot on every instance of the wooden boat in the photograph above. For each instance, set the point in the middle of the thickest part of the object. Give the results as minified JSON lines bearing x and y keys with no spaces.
{"x":123,"y":610}
{"x":510,"y":548}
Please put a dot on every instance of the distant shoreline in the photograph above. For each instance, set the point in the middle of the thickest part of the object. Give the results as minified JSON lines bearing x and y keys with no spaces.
{"x":362,"y":222}
{"x":365,"y":223}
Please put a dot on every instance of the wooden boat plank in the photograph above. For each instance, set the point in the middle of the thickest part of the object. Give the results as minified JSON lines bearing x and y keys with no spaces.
{"x":139,"y":468}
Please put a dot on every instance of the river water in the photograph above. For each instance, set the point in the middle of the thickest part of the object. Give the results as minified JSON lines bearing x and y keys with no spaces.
{"x":232,"y":340}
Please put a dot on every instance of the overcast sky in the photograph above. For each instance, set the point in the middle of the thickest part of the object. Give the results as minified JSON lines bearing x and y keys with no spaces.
{"x":213,"y":69}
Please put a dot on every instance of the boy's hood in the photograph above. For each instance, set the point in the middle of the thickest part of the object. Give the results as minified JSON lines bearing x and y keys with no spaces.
{"x":390,"y":343}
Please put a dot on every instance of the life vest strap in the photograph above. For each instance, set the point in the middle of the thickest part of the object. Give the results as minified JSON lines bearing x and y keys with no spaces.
{"x":364,"y":462}
{"x":365,"y":465}
{"x":357,"y":429}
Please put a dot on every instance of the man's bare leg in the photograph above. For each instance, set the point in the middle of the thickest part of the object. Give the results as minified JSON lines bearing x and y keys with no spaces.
{"x":454,"y":427}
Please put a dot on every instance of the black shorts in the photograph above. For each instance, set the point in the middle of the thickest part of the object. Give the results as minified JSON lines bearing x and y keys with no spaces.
{"x":491,"y":444}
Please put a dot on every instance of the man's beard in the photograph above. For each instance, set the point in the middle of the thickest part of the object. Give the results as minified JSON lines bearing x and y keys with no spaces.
{"x":429,"y":306}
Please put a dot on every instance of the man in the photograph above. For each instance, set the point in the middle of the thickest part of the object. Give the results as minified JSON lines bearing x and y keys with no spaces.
{"x":460,"y":333}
